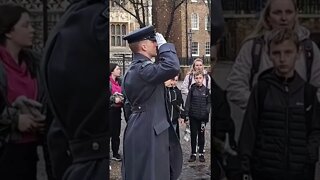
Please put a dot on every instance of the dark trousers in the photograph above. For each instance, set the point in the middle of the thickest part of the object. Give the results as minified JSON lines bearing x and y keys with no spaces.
{"x":115,"y":126}
{"x":175,"y":124}
{"x":195,"y":128}
{"x":19,"y":161}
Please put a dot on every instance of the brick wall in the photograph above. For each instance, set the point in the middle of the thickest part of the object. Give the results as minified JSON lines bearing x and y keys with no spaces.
{"x":161,"y":15}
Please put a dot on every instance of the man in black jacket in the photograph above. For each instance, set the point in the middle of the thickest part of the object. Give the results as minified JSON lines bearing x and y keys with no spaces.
{"x":281,"y":130}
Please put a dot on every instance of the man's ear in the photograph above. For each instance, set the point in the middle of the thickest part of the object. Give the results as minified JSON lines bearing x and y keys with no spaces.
{"x":143,"y":46}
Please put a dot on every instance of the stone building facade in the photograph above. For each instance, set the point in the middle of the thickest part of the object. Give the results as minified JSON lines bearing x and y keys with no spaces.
{"x":122,"y":23}
{"x":190,"y":29}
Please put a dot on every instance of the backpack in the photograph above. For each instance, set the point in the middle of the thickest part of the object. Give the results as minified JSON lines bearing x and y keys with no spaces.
{"x":190,"y":79}
{"x":258,"y":43}
{"x":309,"y":93}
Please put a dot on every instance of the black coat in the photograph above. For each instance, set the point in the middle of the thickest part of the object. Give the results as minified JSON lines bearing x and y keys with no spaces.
{"x":175,"y":101}
{"x":198,"y":103}
{"x":75,"y":71}
{"x":222,"y":122}
{"x":279,"y":142}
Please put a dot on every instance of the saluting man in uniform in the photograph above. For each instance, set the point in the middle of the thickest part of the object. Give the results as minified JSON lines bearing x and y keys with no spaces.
{"x":152,"y":149}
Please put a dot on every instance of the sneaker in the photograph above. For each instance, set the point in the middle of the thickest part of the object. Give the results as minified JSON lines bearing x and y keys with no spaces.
{"x":201,"y":158}
{"x":116,"y":157}
{"x":192,"y":158}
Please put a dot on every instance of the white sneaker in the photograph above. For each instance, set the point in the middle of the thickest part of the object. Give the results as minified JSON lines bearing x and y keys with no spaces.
{"x":198,"y":150}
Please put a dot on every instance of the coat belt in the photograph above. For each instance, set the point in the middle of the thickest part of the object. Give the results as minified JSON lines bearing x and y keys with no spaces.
{"x":138,"y":108}
{"x":89,"y":149}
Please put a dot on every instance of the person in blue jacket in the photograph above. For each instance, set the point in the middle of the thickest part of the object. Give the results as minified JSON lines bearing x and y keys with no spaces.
{"x":151,"y":149}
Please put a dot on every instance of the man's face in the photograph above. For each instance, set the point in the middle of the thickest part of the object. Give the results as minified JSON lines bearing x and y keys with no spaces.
{"x":282,"y":14}
{"x":151,"y":47}
{"x":284,"y":56}
{"x":199,"y":79}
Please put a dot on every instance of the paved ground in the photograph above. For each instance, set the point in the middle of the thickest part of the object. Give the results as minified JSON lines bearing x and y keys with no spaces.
{"x":195,"y":170}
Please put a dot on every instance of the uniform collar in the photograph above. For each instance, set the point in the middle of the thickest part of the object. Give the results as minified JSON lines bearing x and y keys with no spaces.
{"x":139,"y":57}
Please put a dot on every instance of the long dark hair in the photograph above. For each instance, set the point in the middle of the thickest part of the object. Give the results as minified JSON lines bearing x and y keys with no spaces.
{"x":9,"y":16}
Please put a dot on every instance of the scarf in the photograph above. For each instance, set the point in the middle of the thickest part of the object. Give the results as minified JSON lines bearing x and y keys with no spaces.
{"x":19,"y":80}
{"x":115,"y":87}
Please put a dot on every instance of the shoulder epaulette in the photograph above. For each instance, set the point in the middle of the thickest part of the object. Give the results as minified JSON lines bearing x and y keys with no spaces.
{"x":145,"y":63}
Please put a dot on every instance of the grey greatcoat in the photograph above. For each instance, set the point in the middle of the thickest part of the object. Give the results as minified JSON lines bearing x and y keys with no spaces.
{"x":152,"y":150}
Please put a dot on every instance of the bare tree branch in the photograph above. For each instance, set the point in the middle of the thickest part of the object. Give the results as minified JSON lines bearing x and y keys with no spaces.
{"x":124,"y":8}
{"x":174,"y":7}
{"x":143,"y":12}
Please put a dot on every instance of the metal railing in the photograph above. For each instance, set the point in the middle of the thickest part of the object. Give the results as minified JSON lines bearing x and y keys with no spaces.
{"x":255,"y":6}
{"x":187,"y":62}
{"x":124,"y":62}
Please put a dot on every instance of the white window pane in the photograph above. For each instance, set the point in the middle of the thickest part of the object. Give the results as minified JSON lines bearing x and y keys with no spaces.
{"x":195,"y":48}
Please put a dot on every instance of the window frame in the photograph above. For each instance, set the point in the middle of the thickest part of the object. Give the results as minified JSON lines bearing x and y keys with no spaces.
{"x":207,"y":49}
{"x":117,"y":34}
{"x":193,"y":15}
{"x":192,"y":48}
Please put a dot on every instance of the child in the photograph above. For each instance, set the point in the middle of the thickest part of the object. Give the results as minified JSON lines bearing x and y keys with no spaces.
{"x":281,"y":128}
{"x":175,"y":103}
{"x":197,"y":111}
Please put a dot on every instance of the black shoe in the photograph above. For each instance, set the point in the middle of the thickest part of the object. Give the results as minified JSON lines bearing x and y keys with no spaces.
{"x":201,"y":158}
{"x":116,"y":157}
{"x":192,"y":158}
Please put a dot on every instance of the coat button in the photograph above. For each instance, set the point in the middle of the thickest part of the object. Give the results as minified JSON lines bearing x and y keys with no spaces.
{"x":68,"y":153}
{"x":95,"y":146}
{"x":139,"y":107}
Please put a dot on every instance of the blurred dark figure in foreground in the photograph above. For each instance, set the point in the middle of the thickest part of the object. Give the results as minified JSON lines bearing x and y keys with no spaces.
{"x":74,"y":70}
{"x":22,"y":104}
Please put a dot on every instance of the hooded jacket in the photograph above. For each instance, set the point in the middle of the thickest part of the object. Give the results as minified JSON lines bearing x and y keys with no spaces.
{"x":238,"y":88}
{"x":238,"y":79}
{"x":279,"y":142}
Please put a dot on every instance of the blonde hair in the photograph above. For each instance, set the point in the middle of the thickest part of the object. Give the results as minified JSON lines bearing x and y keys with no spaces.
{"x":263,"y":24}
{"x":280,"y":35}
{"x":197,"y":73}
{"x":194,"y":64}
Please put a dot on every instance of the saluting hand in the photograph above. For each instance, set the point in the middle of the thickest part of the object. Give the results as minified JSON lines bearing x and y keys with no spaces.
{"x":160,"y":39}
